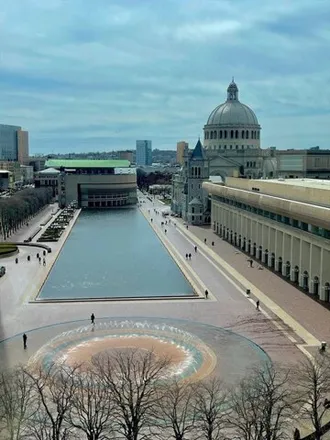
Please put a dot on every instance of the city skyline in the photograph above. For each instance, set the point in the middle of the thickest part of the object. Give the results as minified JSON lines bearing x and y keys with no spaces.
{"x":97,"y":77}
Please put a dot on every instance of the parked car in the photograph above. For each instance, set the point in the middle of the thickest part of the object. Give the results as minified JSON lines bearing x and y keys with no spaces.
{"x":2,"y":271}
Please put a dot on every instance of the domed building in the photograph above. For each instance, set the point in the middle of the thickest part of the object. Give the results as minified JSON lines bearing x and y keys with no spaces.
{"x":231,"y":149}
{"x":232,"y":125}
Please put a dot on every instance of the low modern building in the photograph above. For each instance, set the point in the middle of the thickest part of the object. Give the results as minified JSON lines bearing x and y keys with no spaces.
{"x":4,"y":180}
{"x":27,"y":174}
{"x":15,"y":172}
{"x":284,"y":223}
{"x":95,"y":183}
{"x":312,"y":163}
{"x":48,"y":178}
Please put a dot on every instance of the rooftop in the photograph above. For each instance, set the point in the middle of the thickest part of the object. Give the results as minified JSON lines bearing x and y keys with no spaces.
{"x":87,"y":163}
{"x":304,"y":183}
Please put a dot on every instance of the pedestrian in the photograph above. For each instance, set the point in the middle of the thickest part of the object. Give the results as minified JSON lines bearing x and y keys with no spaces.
{"x":151,"y":220}
{"x":24,"y":341}
{"x":165,"y":231}
{"x":195,"y":248}
{"x":251,"y":262}
{"x":206,"y":294}
{"x":212,"y":243}
{"x":205,"y":240}
{"x":189,"y":256}
{"x":44,"y":262}
{"x":187,"y":226}
{"x":39,"y":260}
{"x":186,"y":256}
{"x":16,"y":260}
{"x":258,"y":304}
{"x":93,"y":318}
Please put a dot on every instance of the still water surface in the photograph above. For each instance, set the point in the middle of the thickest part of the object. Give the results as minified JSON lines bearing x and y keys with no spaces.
{"x":113,"y":253}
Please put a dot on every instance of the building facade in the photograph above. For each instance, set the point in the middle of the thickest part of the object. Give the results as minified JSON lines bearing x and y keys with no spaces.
{"x":27,"y":174}
{"x":143,"y":153}
{"x":15,"y":172}
{"x":180,"y":149}
{"x":8,"y":142}
{"x":23,"y":147}
{"x":95,"y":183}
{"x":126,"y":155}
{"x":189,"y":199}
{"x":285,"y":224}
{"x":48,"y":178}
{"x":313,"y":163}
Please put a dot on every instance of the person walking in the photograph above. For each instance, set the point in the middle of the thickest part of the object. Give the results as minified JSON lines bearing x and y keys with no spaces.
{"x":212,"y":243}
{"x":189,"y":256}
{"x":44,"y":262}
{"x":195,"y":248}
{"x":258,"y":305}
{"x":24,"y":341}
{"x":165,"y":231}
{"x":186,"y":256}
{"x":205,"y":240}
{"x":251,"y":262}
{"x":93,"y":318}
{"x":206,"y":294}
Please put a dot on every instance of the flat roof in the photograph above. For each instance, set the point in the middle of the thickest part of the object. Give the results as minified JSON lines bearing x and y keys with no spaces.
{"x":305,"y":183}
{"x":86,"y":163}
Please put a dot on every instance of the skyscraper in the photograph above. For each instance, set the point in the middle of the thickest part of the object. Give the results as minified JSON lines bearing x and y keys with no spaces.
{"x":23,"y":147}
{"x":143,"y":153}
{"x":180,"y":147}
{"x":8,"y":142}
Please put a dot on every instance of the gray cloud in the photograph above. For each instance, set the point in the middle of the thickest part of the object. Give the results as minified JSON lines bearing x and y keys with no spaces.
{"x":97,"y":75}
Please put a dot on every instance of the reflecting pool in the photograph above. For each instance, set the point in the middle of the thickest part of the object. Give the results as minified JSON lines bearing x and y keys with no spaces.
{"x":113,"y":253}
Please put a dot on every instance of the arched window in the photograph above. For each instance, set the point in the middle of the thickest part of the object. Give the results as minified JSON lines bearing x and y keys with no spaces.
{"x":225,"y":134}
{"x":220,"y":134}
{"x":199,"y":171}
{"x":231,"y":134}
{"x":211,"y":135}
{"x":247,"y":134}
{"x":243,"y":134}
{"x":214,"y":135}
{"x":252,"y":134}
{"x":236,"y":134}
{"x":258,"y":134}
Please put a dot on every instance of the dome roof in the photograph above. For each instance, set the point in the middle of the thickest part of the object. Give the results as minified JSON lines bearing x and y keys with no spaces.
{"x":232,"y":112}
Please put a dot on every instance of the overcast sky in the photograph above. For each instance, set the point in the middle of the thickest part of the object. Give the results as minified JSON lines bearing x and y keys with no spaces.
{"x":88,"y":75}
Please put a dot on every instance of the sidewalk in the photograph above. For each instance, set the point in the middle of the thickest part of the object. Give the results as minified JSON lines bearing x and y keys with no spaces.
{"x":312,"y":315}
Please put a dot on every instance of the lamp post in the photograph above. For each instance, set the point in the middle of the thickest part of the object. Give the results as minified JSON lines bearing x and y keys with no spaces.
{"x":93,"y":434}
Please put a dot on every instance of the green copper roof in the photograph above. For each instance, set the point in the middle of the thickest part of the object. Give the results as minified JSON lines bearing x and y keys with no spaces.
{"x":86,"y":163}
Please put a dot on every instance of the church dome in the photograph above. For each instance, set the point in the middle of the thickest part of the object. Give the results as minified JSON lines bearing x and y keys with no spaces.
{"x":232,"y":125}
{"x":232,"y":112}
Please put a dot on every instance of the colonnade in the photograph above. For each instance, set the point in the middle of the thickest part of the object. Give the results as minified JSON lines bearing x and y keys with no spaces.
{"x":300,"y":257}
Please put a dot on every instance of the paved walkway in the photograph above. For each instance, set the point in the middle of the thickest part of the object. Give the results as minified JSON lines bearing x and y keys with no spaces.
{"x":288,"y":319}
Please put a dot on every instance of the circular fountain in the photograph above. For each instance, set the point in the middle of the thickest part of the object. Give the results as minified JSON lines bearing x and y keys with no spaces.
{"x":195,"y":350}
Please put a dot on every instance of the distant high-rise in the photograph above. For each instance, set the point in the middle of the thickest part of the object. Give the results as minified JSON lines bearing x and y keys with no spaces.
{"x":143,"y":153}
{"x":8,"y":142}
{"x":180,"y":147}
{"x":126,"y":155}
{"x":23,"y":147}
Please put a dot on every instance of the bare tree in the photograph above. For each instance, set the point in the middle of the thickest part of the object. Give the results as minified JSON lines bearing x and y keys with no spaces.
{"x":17,"y":403}
{"x":91,"y":407}
{"x":313,"y":388}
{"x":54,"y":387}
{"x":131,"y":377}
{"x":212,"y":409}
{"x":176,"y":411}
{"x":262,"y":405}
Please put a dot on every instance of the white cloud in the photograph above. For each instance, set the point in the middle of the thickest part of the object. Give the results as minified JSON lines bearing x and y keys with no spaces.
{"x":86,"y":75}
